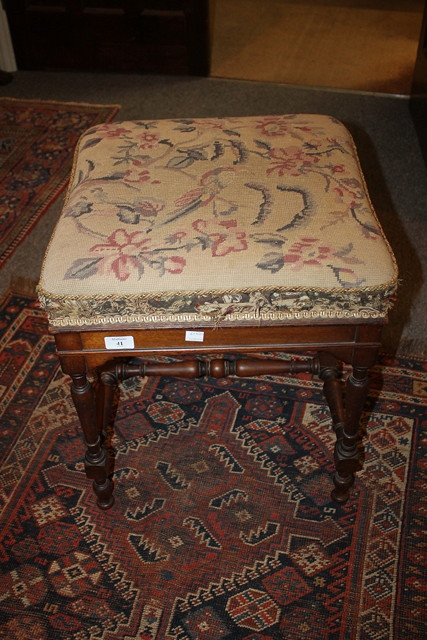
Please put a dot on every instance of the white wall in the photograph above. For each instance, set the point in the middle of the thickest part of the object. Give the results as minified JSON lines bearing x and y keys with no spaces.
{"x":7,"y":56}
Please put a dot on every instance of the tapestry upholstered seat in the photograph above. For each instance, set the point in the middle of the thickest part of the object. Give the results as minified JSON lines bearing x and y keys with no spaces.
{"x":208,"y":237}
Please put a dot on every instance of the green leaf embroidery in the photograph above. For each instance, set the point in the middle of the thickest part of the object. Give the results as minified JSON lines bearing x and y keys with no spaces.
{"x":82,"y":268}
{"x":272,"y":262}
{"x":180,"y":162}
{"x":91,"y":142}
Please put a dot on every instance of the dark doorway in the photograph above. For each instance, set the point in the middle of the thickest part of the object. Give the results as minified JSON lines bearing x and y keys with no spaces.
{"x":135,"y":36}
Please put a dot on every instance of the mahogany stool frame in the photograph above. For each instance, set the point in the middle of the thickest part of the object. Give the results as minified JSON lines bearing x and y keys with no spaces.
{"x":96,"y":372}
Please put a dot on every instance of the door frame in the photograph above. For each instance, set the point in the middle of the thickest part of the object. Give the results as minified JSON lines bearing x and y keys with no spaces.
{"x":418,"y":97}
{"x":7,"y":54}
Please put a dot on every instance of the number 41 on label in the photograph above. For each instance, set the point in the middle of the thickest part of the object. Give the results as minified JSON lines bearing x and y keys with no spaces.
{"x":119,"y":342}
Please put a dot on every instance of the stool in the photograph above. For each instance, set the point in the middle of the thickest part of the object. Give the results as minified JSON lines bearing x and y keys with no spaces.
{"x":192,"y":239}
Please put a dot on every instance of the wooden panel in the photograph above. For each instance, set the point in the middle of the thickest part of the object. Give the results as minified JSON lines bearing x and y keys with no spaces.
{"x":340,"y":340}
{"x":211,"y":339}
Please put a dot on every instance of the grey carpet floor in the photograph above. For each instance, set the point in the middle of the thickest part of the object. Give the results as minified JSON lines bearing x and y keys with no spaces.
{"x":381,"y":125}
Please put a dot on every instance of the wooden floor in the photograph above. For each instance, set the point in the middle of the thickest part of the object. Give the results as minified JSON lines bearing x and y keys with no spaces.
{"x":365,"y":45}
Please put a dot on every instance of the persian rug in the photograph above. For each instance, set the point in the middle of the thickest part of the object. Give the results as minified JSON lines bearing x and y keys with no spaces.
{"x":37,"y":139}
{"x":223,"y":526}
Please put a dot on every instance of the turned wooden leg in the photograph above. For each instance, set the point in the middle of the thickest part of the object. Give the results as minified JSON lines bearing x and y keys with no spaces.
{"x":96,"y":458}
{"x":105,"y":398}
{"x":346,"y":415}
{"x":348,"y":449}
{"x":329,"y":372}
{"x":95,"y":408}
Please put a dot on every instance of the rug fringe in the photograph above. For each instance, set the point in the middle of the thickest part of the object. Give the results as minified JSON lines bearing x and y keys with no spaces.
{"x":25,"y":286}
{"x":61,"y":103}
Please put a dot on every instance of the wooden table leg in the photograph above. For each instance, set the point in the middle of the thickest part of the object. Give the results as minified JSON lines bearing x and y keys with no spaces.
{"x":348,"y":449}
{"x":333,"y":389}
{"x":97,"y":463}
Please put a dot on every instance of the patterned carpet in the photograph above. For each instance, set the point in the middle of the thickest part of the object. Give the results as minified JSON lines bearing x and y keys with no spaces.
{"x":223,"y":527}
{"x":37,"y":139}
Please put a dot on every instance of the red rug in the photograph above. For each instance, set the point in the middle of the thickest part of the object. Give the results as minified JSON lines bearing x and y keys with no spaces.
{"x":223,"y":526}
{"x":37,"y":140}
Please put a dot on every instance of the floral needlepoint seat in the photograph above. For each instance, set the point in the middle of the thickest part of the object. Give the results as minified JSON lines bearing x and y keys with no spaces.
{"x":244,"y":234}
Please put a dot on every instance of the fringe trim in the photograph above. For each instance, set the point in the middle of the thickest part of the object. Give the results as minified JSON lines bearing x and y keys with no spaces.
{"x":213,"y":307}
{"x":268,"y":317}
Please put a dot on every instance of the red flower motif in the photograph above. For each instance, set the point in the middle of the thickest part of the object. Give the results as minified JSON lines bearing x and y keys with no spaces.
{"x":338,"y":168}
{"x":175,"y":264}
{"x":274,"y":126}
{"x":290,"y":161}
{"x":133,"y":175}
{"x":306,"y":252}
{"x":120,"y":253}
{"x":225,"y":236}
{"x":148,"y":140}
{"x":148,"y":209}
{"x":108,"y":131}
